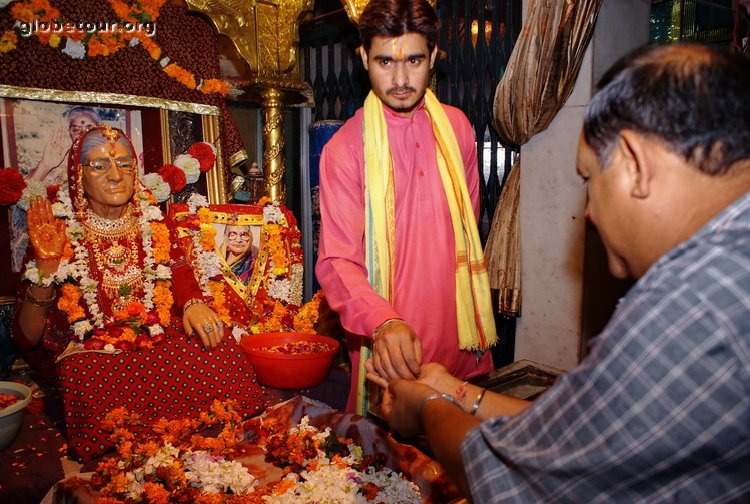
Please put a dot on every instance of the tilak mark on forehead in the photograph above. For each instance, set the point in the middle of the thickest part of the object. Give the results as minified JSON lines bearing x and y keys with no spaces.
{"x":113,"y":136}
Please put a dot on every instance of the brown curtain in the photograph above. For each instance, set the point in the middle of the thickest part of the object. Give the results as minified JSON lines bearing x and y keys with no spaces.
{"x":539,"y":78}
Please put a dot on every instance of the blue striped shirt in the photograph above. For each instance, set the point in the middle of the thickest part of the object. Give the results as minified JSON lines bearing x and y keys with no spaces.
{"x":659,"y":411}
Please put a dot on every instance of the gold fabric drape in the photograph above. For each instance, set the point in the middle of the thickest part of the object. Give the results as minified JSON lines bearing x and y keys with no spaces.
{"x":539,"y":78}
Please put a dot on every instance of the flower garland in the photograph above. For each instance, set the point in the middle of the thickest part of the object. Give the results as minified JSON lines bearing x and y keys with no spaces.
{"x":323,"y":467}
{"x":170,"y":464}
{"x":274,"y":303}
{"x":205,"y":259}
{"x":139,"y":323}
{"x":186,"y":169}
{"x":92,"y":42}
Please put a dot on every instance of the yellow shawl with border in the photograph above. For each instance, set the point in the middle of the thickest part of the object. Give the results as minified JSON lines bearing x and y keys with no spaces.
{"x":475,"y":319}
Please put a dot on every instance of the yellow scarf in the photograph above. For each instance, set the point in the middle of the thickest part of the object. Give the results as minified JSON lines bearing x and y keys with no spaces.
{"x":475,"y":319}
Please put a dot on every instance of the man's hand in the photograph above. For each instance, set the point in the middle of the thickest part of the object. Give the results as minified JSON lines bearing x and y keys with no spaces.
{"x":397,"y":351}
{"x":201,"y":319}
{"x":402,"y":403}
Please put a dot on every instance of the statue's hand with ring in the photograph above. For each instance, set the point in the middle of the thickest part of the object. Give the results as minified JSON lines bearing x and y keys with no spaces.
{"x":199,"y":318}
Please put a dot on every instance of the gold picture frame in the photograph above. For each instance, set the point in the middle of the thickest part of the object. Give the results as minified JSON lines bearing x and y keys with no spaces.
{"x":161,"y":130}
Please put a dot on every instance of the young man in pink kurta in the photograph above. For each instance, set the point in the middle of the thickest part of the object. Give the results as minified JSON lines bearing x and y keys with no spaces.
{"x":424,"y":301}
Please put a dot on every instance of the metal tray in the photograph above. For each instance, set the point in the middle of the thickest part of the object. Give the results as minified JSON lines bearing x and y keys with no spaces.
{"x":523,"y":379}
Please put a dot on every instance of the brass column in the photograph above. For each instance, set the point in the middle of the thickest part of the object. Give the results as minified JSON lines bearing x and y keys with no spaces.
{"x":273,"y":144}
{"x":265,"y":34}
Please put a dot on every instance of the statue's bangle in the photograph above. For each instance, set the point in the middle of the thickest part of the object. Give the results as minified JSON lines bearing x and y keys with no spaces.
{"x":41,"y":303}
{"x":191,"y":302}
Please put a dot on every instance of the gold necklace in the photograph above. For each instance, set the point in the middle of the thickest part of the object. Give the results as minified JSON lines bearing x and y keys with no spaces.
{"x":114,"y":243}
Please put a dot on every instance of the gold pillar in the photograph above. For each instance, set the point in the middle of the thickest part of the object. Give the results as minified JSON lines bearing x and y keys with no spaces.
{"x":265,"y":34}
{"x":273,"y":144}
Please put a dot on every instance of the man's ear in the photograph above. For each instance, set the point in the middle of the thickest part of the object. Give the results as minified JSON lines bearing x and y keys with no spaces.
{"x":633,"y":148}
{"x":433,"y":56}
{"x":363,"y":55}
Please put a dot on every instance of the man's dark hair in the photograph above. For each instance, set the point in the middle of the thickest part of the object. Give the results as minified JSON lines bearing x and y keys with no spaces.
{"x":693,"y":99}
{"x":393,"y":18}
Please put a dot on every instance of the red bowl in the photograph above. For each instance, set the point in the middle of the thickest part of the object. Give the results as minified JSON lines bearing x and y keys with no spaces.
{"x":288,"y":371}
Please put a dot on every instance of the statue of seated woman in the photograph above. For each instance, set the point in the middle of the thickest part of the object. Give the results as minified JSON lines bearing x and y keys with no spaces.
{"x":107,"y":278}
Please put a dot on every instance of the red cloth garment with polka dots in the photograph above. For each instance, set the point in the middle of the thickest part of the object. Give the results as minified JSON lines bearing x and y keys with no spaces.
{"x":178,"y":379}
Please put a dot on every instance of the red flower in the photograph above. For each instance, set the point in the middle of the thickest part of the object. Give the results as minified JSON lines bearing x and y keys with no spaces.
{"x":173,"y":176}
{"x":204,"y":154}
{"x":152,"y":318}
{"x":11,"y":186}
{"x":52,"y":192}
{"x":93,"y":344}
{"x":142,"y":341}
{"x":124,"y":345}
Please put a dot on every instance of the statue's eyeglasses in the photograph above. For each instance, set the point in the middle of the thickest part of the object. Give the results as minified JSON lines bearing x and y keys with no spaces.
{"x":102,"y":165}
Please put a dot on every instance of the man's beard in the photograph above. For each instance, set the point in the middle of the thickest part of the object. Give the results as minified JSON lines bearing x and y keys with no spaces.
{"x":405,"y":108}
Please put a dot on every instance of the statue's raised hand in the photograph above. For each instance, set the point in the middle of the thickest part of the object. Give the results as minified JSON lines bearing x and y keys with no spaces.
{"x":46,"y":234}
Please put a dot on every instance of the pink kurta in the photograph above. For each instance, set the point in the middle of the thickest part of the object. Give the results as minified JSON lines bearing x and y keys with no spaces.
{"x":425,"y":261}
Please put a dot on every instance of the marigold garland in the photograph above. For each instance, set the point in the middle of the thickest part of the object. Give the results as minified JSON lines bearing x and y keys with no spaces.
{"x":79,"y":43}
{"x":157,"y":463}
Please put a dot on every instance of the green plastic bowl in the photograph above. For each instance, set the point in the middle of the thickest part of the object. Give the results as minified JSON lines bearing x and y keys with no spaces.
{"x":11,"y":417}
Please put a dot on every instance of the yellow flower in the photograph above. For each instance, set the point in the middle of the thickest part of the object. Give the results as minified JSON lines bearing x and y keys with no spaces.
{"x":54,"y":40}
{"x":207,"y":236}
{"x":8,"y":41}
{"x":205,"y":215}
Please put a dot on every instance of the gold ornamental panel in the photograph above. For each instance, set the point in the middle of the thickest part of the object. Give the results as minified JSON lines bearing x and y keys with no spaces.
{"x":354,"y":8}
{"x":265,"y":32}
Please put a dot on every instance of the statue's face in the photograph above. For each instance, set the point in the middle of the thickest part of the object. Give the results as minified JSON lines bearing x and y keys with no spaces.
{"x":399,"y":70}
{"x":108,"y":177}
{"x":238,"y":239}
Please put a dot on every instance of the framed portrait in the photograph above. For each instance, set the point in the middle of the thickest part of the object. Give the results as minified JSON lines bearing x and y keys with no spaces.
{"x":256,"y":252}
{"x":240,"y":244}
{"x":38,"y":126}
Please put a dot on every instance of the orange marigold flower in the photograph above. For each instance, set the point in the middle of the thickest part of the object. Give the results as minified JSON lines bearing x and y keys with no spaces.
{"x":136,"y":309}
{"x":8,"y":41}
{"x":68,"y":302}
{"x":283,"y":486}
{"x":156,"y":493}
{"x":215,"y":86}
{"x":118,"y":483}
{"x":163,"y":300}
{"x":161,"y":243}
{"x":108,"y":500}
{"x":180,"y":74}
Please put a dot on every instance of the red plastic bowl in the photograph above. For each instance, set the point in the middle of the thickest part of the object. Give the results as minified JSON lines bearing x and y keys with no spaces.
{"x":288,"y":371}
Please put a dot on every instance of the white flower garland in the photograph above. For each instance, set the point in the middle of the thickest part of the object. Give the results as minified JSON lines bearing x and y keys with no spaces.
{"x":211,"y":474}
